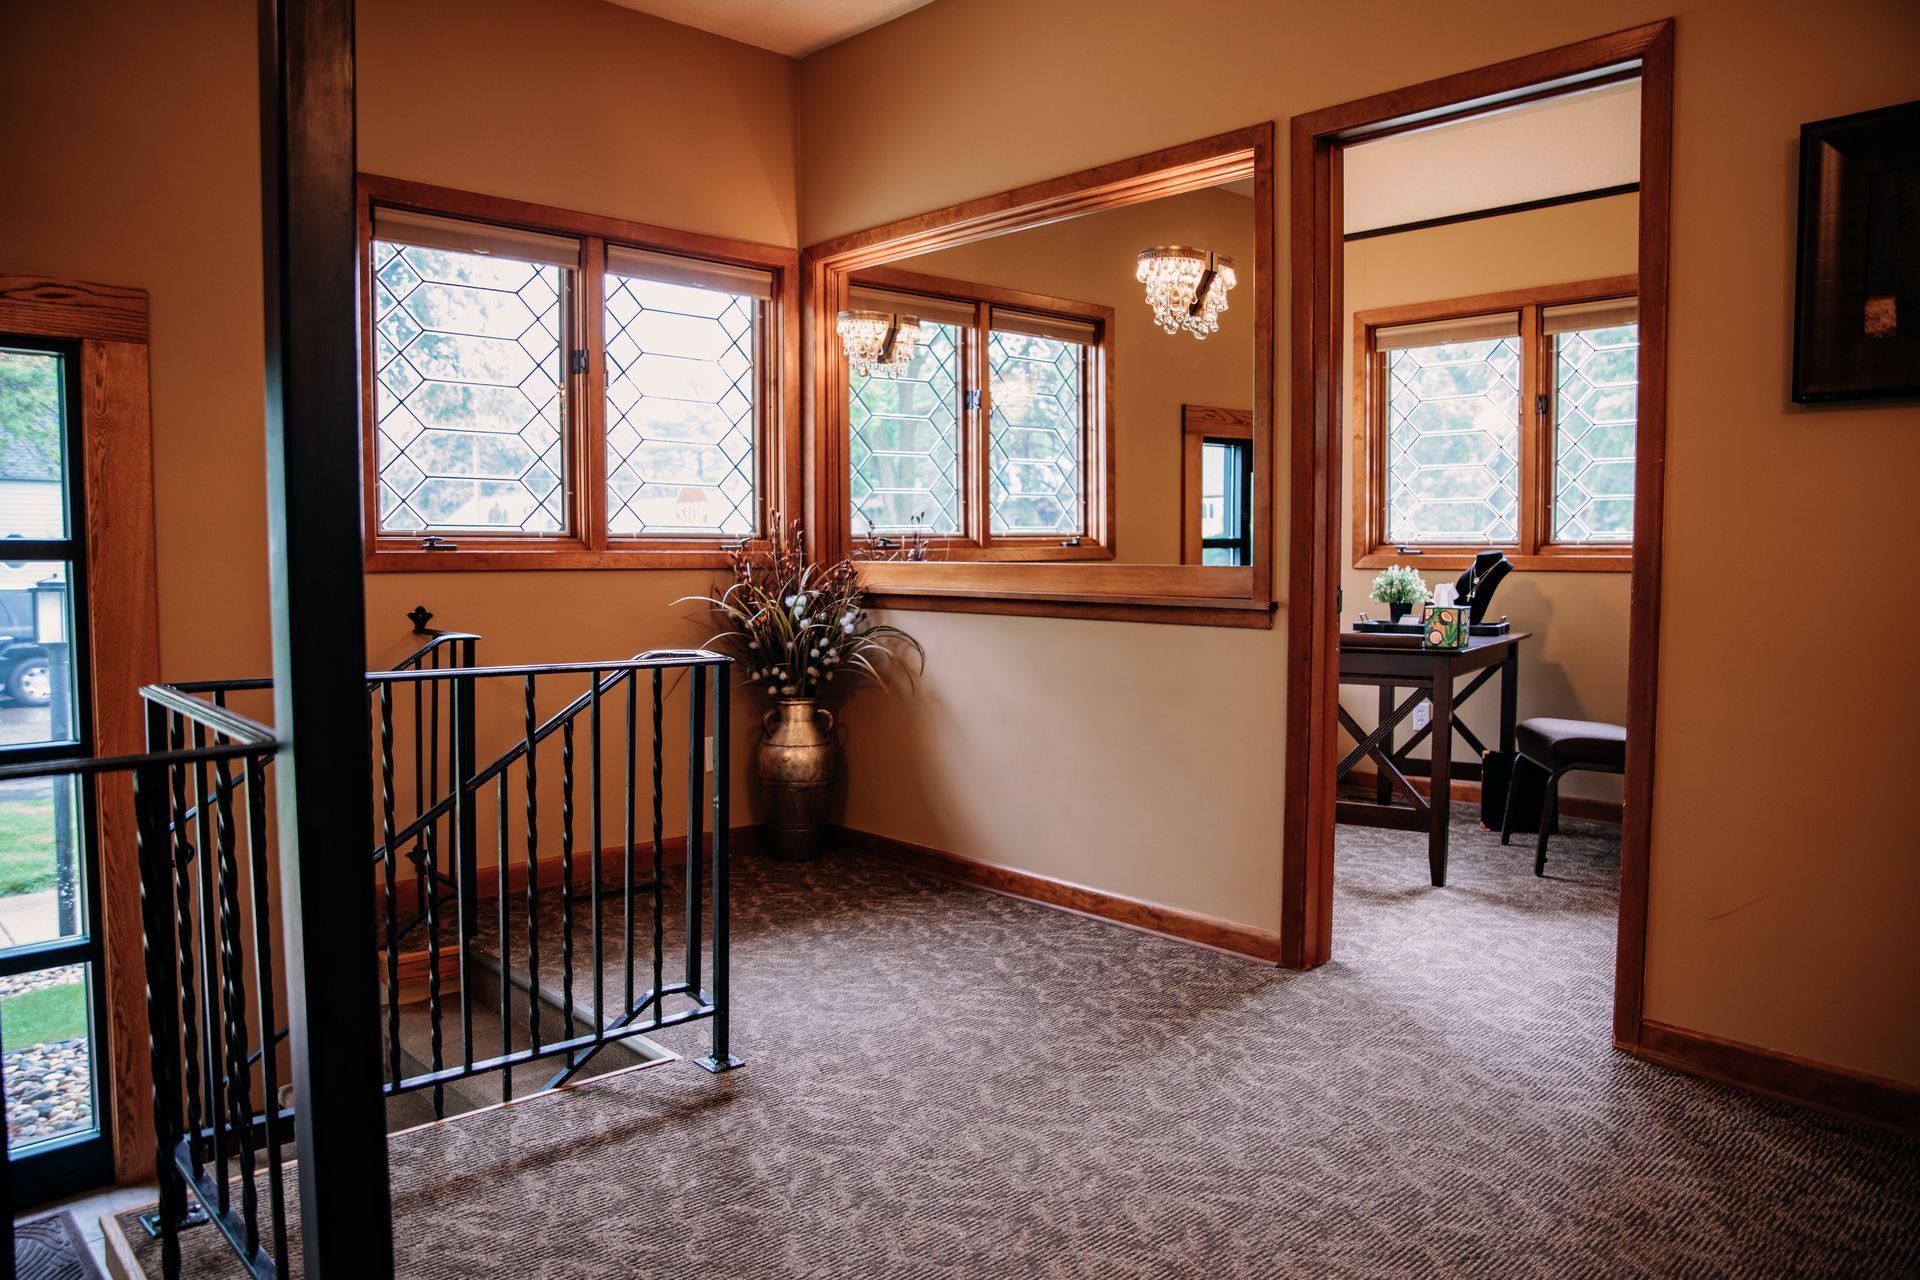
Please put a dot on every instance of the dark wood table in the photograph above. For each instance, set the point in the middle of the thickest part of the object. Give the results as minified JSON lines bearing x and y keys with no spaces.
{"x":1395,"y":662}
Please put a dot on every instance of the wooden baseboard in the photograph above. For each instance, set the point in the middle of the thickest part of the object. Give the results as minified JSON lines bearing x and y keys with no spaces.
{"x":1889,"y":1104}
{"x":1172,"y":922}
{"x":1468,"y":791}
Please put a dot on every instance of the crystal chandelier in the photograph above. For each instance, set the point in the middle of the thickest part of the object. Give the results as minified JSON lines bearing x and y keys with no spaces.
{"x":878,"y":341}
{"x":1187,"y":288}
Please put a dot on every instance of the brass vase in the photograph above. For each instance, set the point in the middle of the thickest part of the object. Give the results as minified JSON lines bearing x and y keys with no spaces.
{"x":796,"y":772}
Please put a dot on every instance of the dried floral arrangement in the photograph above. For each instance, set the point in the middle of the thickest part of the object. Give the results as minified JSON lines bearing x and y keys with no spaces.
{"x":794,"y":625}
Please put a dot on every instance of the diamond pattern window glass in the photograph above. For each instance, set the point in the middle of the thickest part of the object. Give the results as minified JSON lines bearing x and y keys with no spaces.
{"x":1037,"y":434}
{"x":1453,"y":442}
{"x":682,"y":403}
{"x":905,"y":441}
{"x":470,"y":395}
{"x":1596,"y":397}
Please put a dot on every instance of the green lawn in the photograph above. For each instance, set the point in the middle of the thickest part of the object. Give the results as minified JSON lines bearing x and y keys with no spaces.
{"x":51,"y":1013}
{"x":26,"y":846}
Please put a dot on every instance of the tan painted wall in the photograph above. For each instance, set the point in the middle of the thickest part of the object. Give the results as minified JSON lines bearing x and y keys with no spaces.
{"x":1576,"y":664}
{"x":1143,"y":759}
{"x":1091,"y":259}
{"x":1146,"y":759}
{"x":141,"y":168}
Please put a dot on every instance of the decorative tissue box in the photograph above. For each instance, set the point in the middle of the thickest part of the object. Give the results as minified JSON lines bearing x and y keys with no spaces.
{"x":1443,"y":626}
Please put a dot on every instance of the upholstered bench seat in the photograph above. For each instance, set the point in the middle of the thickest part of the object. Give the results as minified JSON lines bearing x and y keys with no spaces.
{"x":1578,"y":744}
{"x":1560,"y":746}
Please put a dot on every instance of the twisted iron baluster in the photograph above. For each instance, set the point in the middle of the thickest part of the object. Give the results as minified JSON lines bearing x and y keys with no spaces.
{"x":599,"y":981}
{"x":506,"y":951}
{"x":696,"y":735}
{"x":659,"y":852}
{"x":533,"y":878}
{"x":233,"y":998}
{"x":387,"y":881}
{"x":422,"y":887}
{"x":433,"y":969}
{"x":255,"y":779}
{"x":151,"y":845}
{"x":183,"y":852}
{"x":632,"y":721}
{"x":206,"y":903}
{"x":566,"y":877}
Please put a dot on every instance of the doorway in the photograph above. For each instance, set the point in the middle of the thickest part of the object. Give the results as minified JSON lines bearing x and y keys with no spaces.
{"x":1320,"y":431}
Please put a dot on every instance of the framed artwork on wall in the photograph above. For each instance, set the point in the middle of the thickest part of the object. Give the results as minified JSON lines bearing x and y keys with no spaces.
{"x":1856,"y":333}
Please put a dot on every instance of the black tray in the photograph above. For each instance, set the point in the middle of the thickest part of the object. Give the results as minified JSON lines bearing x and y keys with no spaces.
{"x":1499,"y":628}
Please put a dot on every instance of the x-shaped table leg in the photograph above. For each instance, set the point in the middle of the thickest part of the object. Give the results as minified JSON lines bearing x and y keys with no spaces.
{"x":1369,"y":745}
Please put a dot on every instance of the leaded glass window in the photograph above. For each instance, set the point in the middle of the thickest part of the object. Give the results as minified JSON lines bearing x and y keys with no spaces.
{"x":682,"y":393}
{"x":904,"y":441}
{"x":1596,"y":399}
{"x":1453,"y":442}
{"x":1037,"y":434}
{"x":470,"y":394}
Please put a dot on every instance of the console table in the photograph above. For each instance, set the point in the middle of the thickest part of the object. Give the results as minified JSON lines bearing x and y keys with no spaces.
{"x":1395,"y":662}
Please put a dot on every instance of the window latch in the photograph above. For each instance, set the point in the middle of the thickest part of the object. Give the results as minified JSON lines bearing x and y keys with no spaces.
{"x":1409,"y":551}
{"x":580,"y":360}
{"x":973,"y":398}
{"x":1070,"y":542}
{"x":1540,"y":406}
{"x":434,"y":542}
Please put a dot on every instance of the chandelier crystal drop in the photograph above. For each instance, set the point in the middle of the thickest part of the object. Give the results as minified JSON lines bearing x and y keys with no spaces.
{"x":1187,"y":288}
{"x":878,"y":341}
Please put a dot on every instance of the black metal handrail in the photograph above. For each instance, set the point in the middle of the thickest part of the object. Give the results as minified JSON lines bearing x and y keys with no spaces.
{"x":208,"y":930}
{"x":209,"y":939}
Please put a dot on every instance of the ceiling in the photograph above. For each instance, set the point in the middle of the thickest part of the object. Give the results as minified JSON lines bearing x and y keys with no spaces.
{"x":793,"y":27}
{"x":1582,"y":141}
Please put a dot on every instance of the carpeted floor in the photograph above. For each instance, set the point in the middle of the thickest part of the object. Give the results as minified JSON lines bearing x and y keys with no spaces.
{"x":943,"y":1083}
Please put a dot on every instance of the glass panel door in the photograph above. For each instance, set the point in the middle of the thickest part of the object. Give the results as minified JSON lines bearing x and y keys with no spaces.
{"x":51,"y":981}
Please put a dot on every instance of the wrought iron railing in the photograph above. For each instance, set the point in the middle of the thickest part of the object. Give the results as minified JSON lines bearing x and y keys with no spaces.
{"x":627,"y":880}
{"x":210,"y":934}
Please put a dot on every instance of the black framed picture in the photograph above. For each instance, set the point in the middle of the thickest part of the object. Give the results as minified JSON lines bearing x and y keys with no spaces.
{"x":1856,"y":332}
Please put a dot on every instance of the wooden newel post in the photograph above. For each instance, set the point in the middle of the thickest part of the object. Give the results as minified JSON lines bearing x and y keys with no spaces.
{"x":312,"y":294}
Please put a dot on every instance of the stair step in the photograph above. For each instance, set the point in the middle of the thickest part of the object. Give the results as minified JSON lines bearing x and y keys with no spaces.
{"x":416,"y":1108}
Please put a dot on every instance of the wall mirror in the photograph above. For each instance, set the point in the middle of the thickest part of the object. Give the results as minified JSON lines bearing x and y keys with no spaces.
{"x":1058,"y":400}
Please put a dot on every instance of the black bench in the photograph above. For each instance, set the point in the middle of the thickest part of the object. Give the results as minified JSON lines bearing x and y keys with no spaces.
{"x":1557,"y":747}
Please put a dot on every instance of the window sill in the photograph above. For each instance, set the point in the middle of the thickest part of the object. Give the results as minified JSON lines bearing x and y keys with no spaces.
{"x":495,"y":558}
{"x":1549,"y":560}
{"x":1182,"y":595}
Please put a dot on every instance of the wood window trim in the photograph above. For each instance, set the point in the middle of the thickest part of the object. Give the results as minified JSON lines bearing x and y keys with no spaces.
{"x":777,"y":449}
{"x":1536,"y":550}
{"x":123,"y":619}
{"x":1202,"y":595}
{"x":1198,"y":424}
{"x":978,"y":543}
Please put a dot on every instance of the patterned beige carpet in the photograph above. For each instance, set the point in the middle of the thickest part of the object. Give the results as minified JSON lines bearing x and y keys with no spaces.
{"x":944,"y":1083}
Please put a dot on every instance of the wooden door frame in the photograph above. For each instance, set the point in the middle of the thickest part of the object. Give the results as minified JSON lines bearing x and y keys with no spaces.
{"x":123,"y":622}
{"x":1315,"y":242}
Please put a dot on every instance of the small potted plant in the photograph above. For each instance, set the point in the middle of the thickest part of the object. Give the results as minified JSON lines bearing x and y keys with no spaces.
{"x":793,"y":626}
{"x":1400,"y":589}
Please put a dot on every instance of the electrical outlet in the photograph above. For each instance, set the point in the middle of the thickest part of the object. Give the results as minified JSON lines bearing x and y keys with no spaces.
{"x":1422,"y":716}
